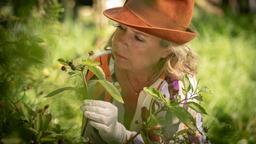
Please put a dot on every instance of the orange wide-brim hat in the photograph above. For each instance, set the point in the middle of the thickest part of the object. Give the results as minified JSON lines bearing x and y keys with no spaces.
{"x":166,"y":19}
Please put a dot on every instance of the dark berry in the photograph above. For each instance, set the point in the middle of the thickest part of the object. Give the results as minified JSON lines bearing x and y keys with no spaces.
{"x":63,"y":68}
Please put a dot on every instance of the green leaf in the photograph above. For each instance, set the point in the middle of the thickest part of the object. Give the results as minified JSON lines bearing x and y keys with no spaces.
{"x":33,"y":130}
{"x":60,"y":90}
{"x":46,"y":119}
{"x":199,"y":98}
{"x":156,"y":94}
{"x":38,"y":122}
{"x":112,"y":90}
{"x":152,"y":92}
{"x":62,"y":61}
{"x":184,"y":116}
{"x":48,"y":139}
{"x":97,"y":71}
{"x":152,"y":120}
{"x":26,"y":111}
{"x":189,"y":87}
{"x":95,"y":89}
{"x":197,"y":107}
{"x":56,"y":135}
{"x":195,"y":89}
{"x":82,"y":92}
{"x":71,"y":73}
{"x":89,"y":62}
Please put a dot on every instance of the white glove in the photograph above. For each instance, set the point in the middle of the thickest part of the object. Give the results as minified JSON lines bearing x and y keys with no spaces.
{"x":103,"y":116}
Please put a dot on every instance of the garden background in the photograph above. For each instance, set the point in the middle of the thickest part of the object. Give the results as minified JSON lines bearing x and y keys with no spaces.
{"x":34,"y":34}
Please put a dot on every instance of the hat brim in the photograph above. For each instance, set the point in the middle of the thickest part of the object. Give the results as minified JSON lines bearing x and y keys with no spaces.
{"x":124,"y":16}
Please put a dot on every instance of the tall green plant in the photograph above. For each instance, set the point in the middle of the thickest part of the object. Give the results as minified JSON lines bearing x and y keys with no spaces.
{"x":22,"y":51}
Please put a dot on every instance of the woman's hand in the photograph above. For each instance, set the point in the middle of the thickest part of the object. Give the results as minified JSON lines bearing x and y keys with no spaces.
{"x":103,"y":116}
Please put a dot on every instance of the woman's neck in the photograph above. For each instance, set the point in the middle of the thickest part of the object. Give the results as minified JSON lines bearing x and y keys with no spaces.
{"x":136,"y":80}
{"x":139,"y":78}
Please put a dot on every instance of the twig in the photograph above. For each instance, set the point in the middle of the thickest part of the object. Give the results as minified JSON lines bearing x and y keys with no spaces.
{"x":132,"y":138}
{"x":85,"y":121}
{"x":192,"y":96}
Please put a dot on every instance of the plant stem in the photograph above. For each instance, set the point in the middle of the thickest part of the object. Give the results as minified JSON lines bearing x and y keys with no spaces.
{"x":132,"y":138}
{"x":84,"y":125}
{"x":84,"y":82}
{"x":192,"y":96}
{"x":85,"y":120}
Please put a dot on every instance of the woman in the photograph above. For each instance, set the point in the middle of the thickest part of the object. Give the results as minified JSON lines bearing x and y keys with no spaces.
{"x":147,"y":50}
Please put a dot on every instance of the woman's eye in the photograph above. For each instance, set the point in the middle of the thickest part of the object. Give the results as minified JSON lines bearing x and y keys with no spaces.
{"x":121,"y":27}
{"x":139,"y":38}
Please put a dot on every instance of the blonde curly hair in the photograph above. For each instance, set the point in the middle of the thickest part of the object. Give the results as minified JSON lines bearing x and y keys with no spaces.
{"x":182,"y":60}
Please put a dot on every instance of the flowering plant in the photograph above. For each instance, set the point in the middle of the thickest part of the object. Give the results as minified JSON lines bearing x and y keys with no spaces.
{"x":157,"y":121}
{"x":154,"y":128}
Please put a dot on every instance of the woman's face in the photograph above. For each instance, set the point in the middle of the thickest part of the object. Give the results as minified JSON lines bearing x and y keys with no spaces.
{"x":136,"y":51}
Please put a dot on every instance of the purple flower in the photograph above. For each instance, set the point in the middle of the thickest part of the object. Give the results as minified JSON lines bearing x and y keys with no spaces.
{"x":175,"y":85}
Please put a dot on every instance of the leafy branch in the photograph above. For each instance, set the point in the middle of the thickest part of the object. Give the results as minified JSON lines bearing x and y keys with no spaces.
{"x":151,"y":129}
{"x":81,"y":70}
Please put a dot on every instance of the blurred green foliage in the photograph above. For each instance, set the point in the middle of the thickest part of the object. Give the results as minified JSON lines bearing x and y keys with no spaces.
{"x":32,"y":39}
{"x":226,"y":48}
